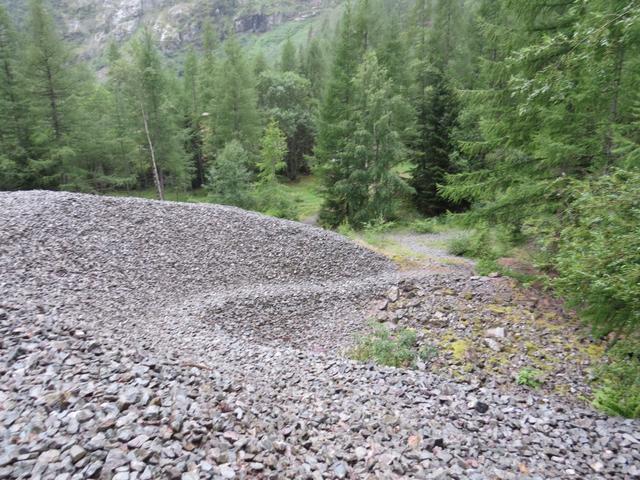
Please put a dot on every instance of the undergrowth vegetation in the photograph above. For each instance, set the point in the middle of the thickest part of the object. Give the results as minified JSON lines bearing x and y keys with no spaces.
{"x":529,"y":377}
{"x":591,"y":257}
{"x":397,"y":348}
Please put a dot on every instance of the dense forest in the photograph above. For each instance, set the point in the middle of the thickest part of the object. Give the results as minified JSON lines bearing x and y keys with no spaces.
{"x":521,"y":118}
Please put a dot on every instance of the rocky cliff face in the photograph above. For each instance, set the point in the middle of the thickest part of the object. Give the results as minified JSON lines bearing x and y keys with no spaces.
{"x":92,"y":24}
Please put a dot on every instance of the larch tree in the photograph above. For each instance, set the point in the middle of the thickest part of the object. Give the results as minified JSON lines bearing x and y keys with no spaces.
{"x":50,"y":87}
{"x":286,"y":97}
{"x":235,"y":114}
{"x":288,"y":62}
{"x":162,"y":137}
{"x":14,"y":127}
{"x":194,"y":110}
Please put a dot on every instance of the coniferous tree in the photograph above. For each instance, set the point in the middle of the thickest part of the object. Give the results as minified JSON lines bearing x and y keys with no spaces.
{"x":288,"y":61}
{"x":334,"y":123}
{"x":369,"y":186}
{"x":273,"y":149}
{"x":260,"y":64}
{"x":50,"y":86}
{"x":545,"y":117}
{"x":123,"y":127}
{"x":14,"y":128}
{"x":286,"y":97}
{"x":433,"y":145}
{"x":314,"y":68}
{"x":234,"y":113}
{"x":229,"y":178}
{"x":436,"y":109}
{"x":193,"y":117}
{"x":209,"y":72}
{"x":162,"y":138}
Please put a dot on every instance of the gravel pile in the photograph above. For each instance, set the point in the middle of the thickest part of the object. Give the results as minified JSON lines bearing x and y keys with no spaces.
{"x":144,"y":340}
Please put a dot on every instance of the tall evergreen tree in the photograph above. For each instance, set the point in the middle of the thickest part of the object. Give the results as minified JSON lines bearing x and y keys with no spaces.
{"x":234,"y":113}
{"x":286,"y":97}
{"x":437,"y":111}
{"x":314,"y":68}
{"x":288,"y":61}
{"x":369,"y":186}
{"x":546,"y":118}
{"x":193,"y":117}
{"x":209,"y":72}
{"x":334,"y":124}
{"x":123,"y":124}
{"x":259,"y":64}
{"x":50,"y":83}
{"x":161,"y":135}
{"x":14,"y":128}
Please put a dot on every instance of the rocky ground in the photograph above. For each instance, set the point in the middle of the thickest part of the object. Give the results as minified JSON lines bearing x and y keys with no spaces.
{"x":145,"y":340}
{"x":487,"y":328}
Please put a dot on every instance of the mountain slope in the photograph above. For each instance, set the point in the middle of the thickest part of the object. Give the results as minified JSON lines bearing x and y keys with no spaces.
{"x":92,"y":24}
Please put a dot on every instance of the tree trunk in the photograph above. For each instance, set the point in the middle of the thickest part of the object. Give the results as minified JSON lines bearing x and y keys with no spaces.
{"x":156,"y":174}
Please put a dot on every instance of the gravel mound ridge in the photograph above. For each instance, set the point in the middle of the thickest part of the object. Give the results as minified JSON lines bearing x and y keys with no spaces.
{"x":144,"y":340}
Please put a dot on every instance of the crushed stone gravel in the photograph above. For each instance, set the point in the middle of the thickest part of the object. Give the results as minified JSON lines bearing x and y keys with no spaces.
{"x":144,"y":340}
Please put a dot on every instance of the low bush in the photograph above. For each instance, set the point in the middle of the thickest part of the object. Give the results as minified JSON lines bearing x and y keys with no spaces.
{"x":529,"y":378}
{"x":422,"y":226}
{"x":598,"y":258}
{"x":619,"y":393}
{"x":271,"y":199}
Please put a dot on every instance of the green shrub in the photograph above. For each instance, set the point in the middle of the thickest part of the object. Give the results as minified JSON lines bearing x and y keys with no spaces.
{"x":394,"y":349}
{"x":620,"y":390}
{"x":598,"y":258}
{"x":423,"y":226}
{"x":271,"y":199}
{"x":461,"y":246}
{"x":529,"y":378}
{"x":229,"y":180}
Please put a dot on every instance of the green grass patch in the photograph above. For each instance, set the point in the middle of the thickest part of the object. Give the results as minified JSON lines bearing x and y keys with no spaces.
{"x":305,"y":192}
{"x":394,"y":349}
{"x":529,"y":377}
{"x":173,"y":195}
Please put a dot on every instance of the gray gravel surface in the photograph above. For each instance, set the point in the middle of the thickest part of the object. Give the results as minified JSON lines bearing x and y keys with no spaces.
{"x":144,"y":340}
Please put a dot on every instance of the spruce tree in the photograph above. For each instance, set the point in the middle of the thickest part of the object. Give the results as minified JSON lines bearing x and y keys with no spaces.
{"x":370,"y":188}
{"x":433,"y":145}
{"x":334,"y":123}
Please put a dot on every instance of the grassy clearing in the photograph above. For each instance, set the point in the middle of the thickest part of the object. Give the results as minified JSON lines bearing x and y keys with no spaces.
{"x":305,"y":192}
{"x":173,"y":195}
